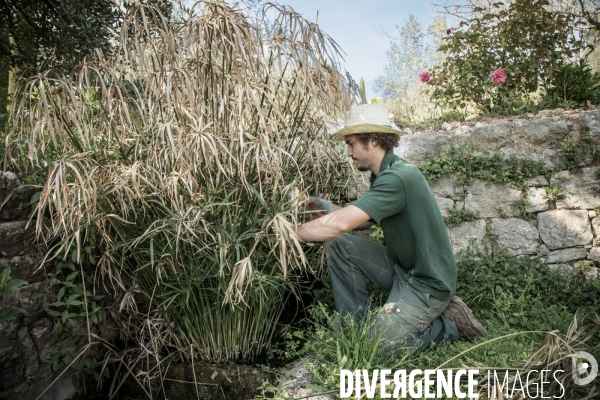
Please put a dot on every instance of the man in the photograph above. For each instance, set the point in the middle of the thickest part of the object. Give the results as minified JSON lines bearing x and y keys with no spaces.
{"x":417,"y":264}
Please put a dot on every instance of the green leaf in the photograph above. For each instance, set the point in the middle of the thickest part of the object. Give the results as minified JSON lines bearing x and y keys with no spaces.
{"x":5,"y":343}
{"x":12,"y":314}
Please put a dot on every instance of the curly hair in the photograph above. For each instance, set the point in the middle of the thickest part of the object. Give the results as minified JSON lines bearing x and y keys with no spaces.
{"x":385,"y":140}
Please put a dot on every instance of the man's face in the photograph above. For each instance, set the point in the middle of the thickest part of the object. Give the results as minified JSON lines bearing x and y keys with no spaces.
{"x":360,"y":154}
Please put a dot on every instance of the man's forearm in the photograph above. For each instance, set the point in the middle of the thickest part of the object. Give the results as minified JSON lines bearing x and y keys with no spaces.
{"x":332,"y":225}
{"x":320,"y":229}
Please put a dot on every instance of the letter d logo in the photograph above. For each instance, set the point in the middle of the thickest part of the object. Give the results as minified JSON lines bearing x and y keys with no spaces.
{"x":580,"y":368}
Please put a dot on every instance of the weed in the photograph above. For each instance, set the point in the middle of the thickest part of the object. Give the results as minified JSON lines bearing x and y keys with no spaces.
{"x":459,"y":215}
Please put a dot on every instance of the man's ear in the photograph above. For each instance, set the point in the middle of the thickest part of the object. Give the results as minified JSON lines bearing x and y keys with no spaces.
{"x":373,"y":143}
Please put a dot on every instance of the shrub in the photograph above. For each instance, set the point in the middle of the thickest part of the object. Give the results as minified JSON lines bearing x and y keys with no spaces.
{"x":172,"y":155}
{"x":523,"y":40}
{"x":572,"y":85}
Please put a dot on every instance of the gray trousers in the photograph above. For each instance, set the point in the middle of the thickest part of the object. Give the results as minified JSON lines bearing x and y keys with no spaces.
{"x":409,"y":319}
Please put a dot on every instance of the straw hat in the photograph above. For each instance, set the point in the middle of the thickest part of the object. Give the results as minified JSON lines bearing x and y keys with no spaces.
{"x":366,"y":118}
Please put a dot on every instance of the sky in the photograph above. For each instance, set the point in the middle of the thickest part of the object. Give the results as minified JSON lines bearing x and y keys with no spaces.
{"x":354,"y":25}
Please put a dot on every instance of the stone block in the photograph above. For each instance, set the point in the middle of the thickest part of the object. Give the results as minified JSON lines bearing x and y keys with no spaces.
{"x":414,"y":148}
{"x":592,"y":273}
{"x":443,"y":187}
{"x":44,"y":339}
{"x":29,"y":353}
{"x":11,"y":367}
{"x":516,"y":236}
{"x":15,"y":238}
{"x":468,"y":236}
{"x":564,"y":228}
{"x":492,"y":136}
{"x":492,"y":200}
{"x":566,"y":255}
{"x":25,"y":298}
{"x":24,"y":267}
{"x":16,"y":195}
{"x":594,"y":254}
{"x":536,"y":200}
{"x":565,"y":268}
{"x":581,"y":189}
{"x":536,"y":181}
{"x":445,"y":205}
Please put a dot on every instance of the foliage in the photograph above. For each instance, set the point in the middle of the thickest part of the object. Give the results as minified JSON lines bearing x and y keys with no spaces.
{"x":7,"y":286}
{"x":180,"y":157}
{"x":377,"y":234}
{"x":411,"y":51}
{"x":459,"y":215}
{"x":572,"y":85}
{"x":468,"y":165}
{"x":482,"y":280}
{"x":523,"y":39}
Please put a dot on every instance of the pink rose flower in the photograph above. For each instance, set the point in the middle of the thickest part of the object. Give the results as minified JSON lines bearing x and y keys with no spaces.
{"x":425,"y":76}
{"x":498,"y":77}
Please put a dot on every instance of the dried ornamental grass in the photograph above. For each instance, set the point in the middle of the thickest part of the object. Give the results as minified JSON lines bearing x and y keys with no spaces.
{"x":175,"y":150}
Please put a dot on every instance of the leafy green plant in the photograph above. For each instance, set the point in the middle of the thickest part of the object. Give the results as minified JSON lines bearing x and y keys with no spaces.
{"x":571,"y":85}
{"x":377,"y":234}
{"x":522,"y":38}
{"x":7,"y":286}
{"x":468,"y":165}
{"x":459,"y":215}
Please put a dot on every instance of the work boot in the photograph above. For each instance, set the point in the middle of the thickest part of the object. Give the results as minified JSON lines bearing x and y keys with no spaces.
{"x":462,"y":316}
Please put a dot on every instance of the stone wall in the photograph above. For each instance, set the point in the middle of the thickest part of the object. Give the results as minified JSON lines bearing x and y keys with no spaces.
{"x":25,"y":373}
{"x":562,"y":233}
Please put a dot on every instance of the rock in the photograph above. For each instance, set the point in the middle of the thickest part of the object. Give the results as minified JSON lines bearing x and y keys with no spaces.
{"x":536,"y":200}
{"x":537,"y":181}
{"x":467,"y":237}
{"x":29,"y":353}
{"x":564,"y":228}
{"x":565,"y":268}
{"x":542,"y":250}
{"x":596,"y":226}
{"x":565,"y":255}
{"x":517,"y":236}
{"x":445,"y":205}
{"x":11,"y":365}
{"x":592,"y":214}
{"x":443,"y":187}
{"x":30,"y":302}
{"x":45,"y":341}
{"x":24,"y":267}
{"x":16,"y":195}
{"x":492,"y":200}
{"x":581,"y":189}
{"x":295,"y":378}
{"x":591,"y":273}
{"x":15,"y":238}
{"x":522,"y":139}
{"x":594,"y":254}
{"x":414,"y":148}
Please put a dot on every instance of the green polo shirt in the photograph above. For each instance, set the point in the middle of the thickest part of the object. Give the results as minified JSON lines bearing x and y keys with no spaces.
{"x":401,"y":201}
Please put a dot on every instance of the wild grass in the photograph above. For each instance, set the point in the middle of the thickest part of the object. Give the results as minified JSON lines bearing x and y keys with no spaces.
{"x":171,"y":154}
{"x":535,"y":318}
